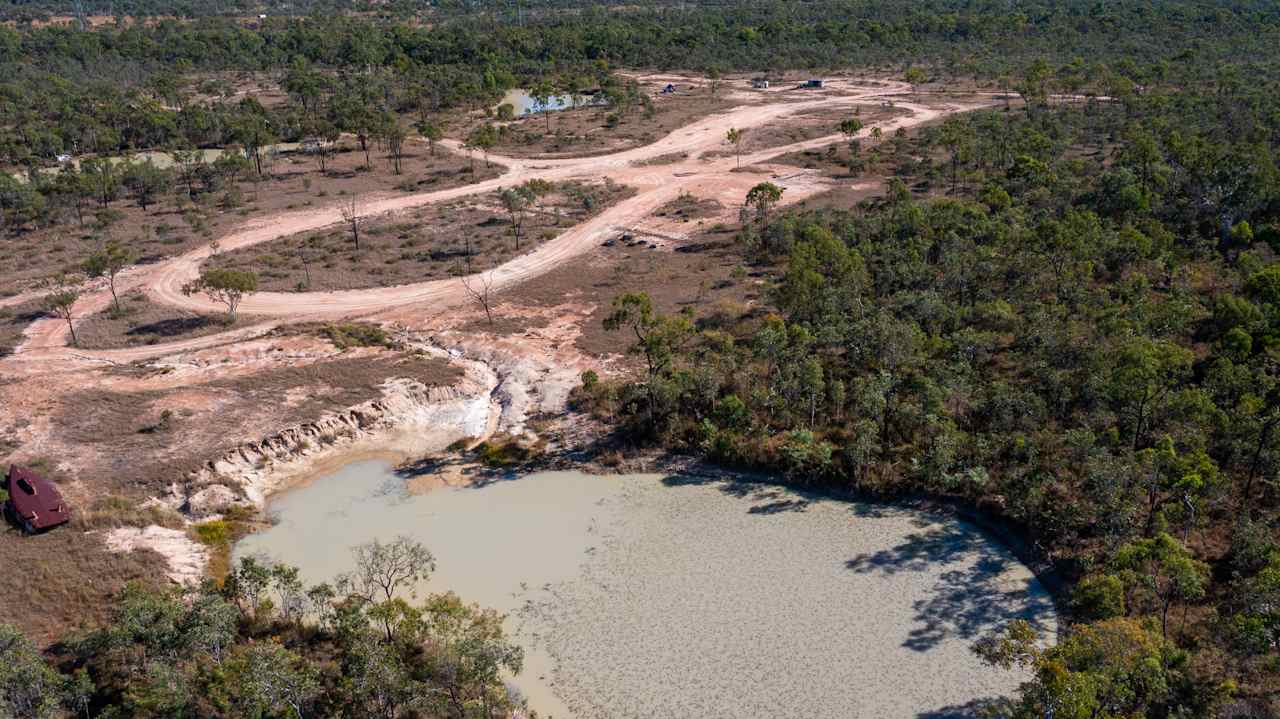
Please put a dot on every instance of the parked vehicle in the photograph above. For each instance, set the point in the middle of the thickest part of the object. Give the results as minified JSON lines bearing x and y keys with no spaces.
{"x":34,"y":502}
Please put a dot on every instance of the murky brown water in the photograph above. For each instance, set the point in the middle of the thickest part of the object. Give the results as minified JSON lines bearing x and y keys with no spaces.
{"x":643,"y":597}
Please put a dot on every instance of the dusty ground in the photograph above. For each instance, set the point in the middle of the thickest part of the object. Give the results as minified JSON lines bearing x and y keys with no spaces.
{"x":473,"y":234}
{"x":130,"y":422}
{"x":588,"y":131}
{"x":807,"y":125}
{"x":14,"y":320}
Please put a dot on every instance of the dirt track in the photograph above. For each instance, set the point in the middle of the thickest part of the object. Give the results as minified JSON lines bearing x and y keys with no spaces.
{"x":655,"y":184}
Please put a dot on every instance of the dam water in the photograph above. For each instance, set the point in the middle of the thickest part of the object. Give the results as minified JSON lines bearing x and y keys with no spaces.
{"x":651,"y":596}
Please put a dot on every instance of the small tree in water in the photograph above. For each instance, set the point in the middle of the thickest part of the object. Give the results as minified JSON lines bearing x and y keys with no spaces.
{"x":384,"y":569}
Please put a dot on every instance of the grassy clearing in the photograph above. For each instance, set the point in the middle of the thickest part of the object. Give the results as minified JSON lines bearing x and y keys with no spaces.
{"x":429,"y":243}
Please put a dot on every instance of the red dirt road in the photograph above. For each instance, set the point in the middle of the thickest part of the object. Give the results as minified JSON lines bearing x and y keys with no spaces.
{"x":656,"y":185}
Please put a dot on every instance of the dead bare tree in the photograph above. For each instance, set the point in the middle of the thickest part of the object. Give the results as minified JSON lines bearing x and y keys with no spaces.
{"x":480,"y":289}
{"x":351,"y":210}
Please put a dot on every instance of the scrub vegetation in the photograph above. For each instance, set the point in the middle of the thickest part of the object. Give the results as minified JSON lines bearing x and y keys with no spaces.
{"x":1064,"y":311}
{"x":1076,"y":330}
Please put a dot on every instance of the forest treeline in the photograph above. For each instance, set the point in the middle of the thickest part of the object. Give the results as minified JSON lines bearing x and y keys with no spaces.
{"x":66,"y":91}
{"x":1077,"y":329}
{"x":514,"y":11}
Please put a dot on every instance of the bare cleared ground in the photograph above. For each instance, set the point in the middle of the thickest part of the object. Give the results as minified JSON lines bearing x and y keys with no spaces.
{"x":14,"y":319}
{"x":143,"y":322}
{"x":590,"y":130}
{"x":175,"y":224}
{"x":806,"y":125}
{"x":132,"y":436}
{"x":121,"y":434}
{"x":706,"y":275}
{"x":432,"y":242}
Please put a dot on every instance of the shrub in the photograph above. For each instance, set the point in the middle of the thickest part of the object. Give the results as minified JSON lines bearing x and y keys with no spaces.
{"x":1100,"y":596}
{"x":501,"y":454}
{"x":356,"y":334}
{"x":1265,"y":285}
{"x":213,"y":533}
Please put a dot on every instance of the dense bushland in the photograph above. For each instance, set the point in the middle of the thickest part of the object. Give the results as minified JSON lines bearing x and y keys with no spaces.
{"x":1078,"y":330}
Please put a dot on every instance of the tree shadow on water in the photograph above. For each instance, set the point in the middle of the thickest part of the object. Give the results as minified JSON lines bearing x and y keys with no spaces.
{"x":477,"y":475}
{"x":934,"y":545}
{"x":768,"y":498}
{"x":973,"y":598}
{"x":976,"y":709}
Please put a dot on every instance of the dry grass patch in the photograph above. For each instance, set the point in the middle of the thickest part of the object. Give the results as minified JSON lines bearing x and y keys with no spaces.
{"x":176,"y":224}
{"x":143,"y":322}
{"x":687,"y":207}
{"x":66,"y":577}
{"x":434,"y":242}
{"x":702,"y":274}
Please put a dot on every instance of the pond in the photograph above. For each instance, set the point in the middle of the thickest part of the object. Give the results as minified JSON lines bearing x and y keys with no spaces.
{"x":652,"y":596}
{"x":523,"y":104}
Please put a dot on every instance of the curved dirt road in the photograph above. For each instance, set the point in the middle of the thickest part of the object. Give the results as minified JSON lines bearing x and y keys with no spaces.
{"x":655,"y":185}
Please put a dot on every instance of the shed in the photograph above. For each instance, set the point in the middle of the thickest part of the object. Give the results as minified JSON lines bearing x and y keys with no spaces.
{"x":668,"y":89}
{"x":34,"y":502}
{"x":760,"y":83}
